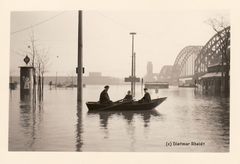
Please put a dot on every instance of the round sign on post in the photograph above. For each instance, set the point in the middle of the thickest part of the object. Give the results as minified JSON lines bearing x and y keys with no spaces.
{"x":26,"y":60}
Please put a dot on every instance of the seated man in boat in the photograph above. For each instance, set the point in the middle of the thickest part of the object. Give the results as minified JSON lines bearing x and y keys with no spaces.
{"x":146,"y":97}
{"x":128,"y":97}
{"x":104,"y":98}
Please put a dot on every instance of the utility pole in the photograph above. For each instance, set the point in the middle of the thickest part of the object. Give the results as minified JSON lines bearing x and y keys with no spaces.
{"x":79,"y":69}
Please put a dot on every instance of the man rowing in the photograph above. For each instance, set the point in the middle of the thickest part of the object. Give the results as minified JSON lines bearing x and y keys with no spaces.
{"x":104,"y":97}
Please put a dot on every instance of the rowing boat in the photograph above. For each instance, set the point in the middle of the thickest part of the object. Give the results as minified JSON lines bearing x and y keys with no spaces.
{"x":125,"y":105}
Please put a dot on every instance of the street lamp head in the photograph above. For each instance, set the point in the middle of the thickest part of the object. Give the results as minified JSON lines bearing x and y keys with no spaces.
{"x":133,"y":33}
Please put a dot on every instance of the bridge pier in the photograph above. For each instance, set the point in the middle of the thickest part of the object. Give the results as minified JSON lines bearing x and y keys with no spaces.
{"x":213,"y":84}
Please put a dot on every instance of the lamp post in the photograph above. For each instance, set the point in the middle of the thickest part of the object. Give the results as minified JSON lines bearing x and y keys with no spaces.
{"x":133,"y":79}
{"x":133,"y":65}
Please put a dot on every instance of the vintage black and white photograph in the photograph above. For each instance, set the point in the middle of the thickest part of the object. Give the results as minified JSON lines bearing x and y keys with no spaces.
{"x":119,"y":81}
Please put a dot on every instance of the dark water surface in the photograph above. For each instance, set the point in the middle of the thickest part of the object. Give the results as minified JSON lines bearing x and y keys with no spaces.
{"x":58,"y":124}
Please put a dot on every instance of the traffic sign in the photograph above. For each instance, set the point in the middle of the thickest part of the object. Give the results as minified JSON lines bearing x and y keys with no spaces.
{"x":132,"y":79}
{"x":26,"y":59}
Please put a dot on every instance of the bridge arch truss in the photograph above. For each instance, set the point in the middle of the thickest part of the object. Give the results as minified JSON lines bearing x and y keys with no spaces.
{"x":184,"y":63}
{"x":214,"y":53}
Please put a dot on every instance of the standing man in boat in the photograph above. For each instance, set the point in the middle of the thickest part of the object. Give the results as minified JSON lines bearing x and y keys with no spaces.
{"x":104,"y":98}
{"x":146,"y":97}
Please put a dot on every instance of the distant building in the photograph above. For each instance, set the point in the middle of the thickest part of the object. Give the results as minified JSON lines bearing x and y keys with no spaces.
{"x":150,"y":76}
{"x":95,"y":74}
{"x":94,"y":78}
{"x":149,"y":68}
{"x":97,"y":78}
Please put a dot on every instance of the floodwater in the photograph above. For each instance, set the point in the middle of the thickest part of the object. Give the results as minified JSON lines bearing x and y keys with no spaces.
{"x":186,"y":122}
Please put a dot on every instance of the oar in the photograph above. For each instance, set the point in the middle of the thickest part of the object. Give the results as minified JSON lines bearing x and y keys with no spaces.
{"x":118,"y":100}
{"x":114,"y":105}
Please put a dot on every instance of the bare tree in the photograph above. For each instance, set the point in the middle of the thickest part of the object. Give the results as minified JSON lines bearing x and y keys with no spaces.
{"x":218,"y":24}
{"x":40,"y":62}
{"x":32,"y":47}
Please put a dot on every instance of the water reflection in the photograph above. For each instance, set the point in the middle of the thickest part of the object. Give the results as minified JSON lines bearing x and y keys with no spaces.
{"x":127,"y":115}
{"x":222,"y":118}
{"x":213,"y":114}
{"x":132,"y":125}
{"x":31,"y":115}
{"x":79,"y":129}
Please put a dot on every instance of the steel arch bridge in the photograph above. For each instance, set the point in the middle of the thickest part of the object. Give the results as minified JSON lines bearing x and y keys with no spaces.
{"x":165,"y":74}
{"x":216,"y":52}
{"x":184,"y":63}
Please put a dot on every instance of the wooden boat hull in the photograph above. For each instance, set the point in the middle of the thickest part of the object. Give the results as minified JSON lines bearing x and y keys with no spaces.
{"x":96,"y":106}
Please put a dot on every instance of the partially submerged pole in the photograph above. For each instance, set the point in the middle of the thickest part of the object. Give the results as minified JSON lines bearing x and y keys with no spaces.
{"x":79,"y":84}
{"x":79,"y":69}
{"x":132,"y":71}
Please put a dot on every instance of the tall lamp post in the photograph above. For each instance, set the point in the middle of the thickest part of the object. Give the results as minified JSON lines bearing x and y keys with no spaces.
{"x":133,"y":65}
{"x":132,"y":78}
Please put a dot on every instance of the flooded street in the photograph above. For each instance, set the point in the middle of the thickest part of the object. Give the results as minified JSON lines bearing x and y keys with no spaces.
{"x":186,"y":122}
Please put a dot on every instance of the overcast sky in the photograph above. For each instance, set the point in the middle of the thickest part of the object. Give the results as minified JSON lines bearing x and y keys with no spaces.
{"x":106,"y":40}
